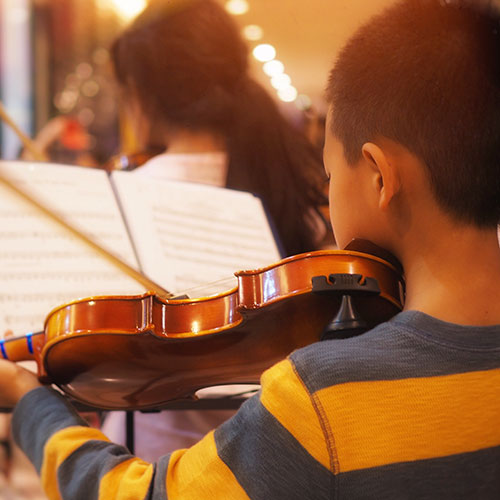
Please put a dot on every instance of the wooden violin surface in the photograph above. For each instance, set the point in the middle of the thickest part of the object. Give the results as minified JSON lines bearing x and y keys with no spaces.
{"x":137,"y":352}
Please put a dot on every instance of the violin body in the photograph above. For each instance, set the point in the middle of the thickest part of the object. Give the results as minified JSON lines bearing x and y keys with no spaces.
{"x":139,"y":352}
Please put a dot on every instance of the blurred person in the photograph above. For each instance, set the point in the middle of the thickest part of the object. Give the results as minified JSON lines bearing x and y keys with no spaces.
{"x":63,"y":140}
{"x":183,"y":73}
{"x":182,"y":67}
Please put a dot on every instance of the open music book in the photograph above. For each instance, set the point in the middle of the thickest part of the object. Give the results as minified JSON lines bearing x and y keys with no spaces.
{"x":179,"y":235}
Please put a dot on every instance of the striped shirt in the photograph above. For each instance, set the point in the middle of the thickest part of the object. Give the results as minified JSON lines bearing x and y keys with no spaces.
{"x":408,"y":410}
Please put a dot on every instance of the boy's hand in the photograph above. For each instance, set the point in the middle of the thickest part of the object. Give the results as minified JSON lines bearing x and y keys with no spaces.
{"x":15,"y":382}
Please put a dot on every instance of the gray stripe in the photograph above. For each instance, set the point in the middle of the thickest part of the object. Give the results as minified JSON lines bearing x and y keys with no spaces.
{"x":32,"y":429}
{"x":470,"y":475}
{"x":81,"y":472}
{"x":158,"y":488}
{"x":267,"y":460}
{"x":410,"y":345}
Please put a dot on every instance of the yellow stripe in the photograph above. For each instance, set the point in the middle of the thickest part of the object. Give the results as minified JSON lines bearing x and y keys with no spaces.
{"x":384,"y":422}
{"x":199,"y":473}
{"x":284,"y":395}
{"x":57,"y":449}
{"x":130,"y":479}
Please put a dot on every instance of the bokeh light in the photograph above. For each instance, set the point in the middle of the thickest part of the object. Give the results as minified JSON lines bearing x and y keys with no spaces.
{"x":237,"y":7}
{"x":264,"y":52}
{"x":280,"y":81}
{"x":303,"y":102}
{"x":253,"y":32}
{"x":127,"y":9}
{"x":287,"y":94}
{"x":273,"y":68}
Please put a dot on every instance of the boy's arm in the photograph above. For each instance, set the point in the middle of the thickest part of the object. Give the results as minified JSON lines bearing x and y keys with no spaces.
{"x":260,"y":453}
{"x":74,"y":460}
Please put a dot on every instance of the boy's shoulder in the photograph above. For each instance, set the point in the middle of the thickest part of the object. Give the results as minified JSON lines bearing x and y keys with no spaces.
{"x":410,"y":345}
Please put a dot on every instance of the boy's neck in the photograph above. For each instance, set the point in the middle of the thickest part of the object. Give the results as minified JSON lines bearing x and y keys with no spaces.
{"x":454,"y":277}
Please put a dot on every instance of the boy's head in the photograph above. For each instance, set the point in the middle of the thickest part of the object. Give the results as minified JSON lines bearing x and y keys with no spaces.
{"x":424,"y":77}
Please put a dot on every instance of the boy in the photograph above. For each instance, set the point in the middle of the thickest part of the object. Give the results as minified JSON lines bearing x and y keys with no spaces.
{"x":410,"y":409}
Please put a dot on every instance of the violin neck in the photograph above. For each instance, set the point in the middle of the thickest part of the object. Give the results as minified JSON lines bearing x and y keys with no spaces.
{"x":22,"y":348}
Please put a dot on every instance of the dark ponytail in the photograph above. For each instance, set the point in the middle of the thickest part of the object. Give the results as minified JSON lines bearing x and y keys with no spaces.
{"x":188,"y":65}
{"x":274,"y":160}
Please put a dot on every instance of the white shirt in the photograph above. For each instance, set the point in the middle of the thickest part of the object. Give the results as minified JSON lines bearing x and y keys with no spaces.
{"x":205,"y":168}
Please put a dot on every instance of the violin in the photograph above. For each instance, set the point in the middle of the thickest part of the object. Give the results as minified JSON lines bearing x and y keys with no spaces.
{"x":139,"y":352}
{"x":133,"y":160}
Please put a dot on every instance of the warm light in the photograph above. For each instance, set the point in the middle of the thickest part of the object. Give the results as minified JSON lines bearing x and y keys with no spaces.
{"x":100,"y":56}
{"x":273,"y":68}
{"x":126,"y":9}
{"x":66,"y":100}
{"x":281,"y":81}
{"x":264,"y":52}
{"x":84,"y":70}
{"x":303,"y":102}
{"x":90,"y":88}
{"x":237,"y":7}
{"x":287,"y":94}
{"x":86,"y":116}
{"x":253,"y":32}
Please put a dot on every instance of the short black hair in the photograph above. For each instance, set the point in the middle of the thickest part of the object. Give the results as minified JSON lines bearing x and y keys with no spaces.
{"x":426,"y":74}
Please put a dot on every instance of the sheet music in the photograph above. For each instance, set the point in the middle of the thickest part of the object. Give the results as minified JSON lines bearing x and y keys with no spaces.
{"x":188,"y":235}
{"x":42,"y":265}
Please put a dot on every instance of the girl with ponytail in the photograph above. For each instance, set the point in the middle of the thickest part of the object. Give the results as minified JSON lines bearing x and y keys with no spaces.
{"x":183,"y":71}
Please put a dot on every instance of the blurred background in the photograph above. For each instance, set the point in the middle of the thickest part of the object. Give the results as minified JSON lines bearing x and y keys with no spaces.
{"x":54,"y":61}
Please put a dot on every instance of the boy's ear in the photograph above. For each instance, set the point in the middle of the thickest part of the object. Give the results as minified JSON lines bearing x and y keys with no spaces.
{"x":386,"y":179}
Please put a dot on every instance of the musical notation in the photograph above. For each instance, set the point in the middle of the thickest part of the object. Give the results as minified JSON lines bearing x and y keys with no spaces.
{"x":41,"y":264}
{"x":200,"y":233}
{"x":183,"y":235}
